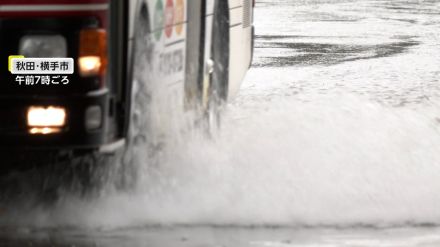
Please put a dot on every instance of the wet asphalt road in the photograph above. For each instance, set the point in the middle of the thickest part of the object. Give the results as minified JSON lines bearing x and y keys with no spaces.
{"x":228,"y":236}
{"x":383,"y":52}
{"x":386,"y":50}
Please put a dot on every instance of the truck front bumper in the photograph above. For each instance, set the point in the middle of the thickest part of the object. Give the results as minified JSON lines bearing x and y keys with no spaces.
{"x":14,"y":132}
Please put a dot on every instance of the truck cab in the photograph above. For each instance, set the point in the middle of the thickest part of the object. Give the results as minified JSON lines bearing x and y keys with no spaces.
{"x":93,"y":110}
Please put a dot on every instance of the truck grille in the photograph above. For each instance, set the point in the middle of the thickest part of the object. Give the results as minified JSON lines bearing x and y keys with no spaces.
{"x":12,"y":120}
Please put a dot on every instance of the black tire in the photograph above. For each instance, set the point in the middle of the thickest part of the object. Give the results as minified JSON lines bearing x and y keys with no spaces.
{"x":218,"y":90}
{"x":138,"y":93}
{"x":139,"y":98}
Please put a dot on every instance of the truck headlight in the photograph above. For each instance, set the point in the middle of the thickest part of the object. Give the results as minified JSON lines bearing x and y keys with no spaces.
{"x":45,"y":120}
{"x":43,"y":46}
{"x":93,"y":117}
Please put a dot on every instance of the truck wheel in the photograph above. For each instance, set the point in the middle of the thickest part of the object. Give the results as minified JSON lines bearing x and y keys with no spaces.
{"x":218,"y":88}
{"x":139,"y":98}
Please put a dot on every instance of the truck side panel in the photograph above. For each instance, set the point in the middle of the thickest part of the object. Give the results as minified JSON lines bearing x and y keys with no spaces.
{"x":240,"y":43}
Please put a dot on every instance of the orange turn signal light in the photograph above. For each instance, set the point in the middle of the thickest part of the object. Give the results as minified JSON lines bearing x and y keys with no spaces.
{"x":92,"y":59}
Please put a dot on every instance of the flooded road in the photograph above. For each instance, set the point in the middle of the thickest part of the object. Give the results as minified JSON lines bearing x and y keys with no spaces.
{"x":229,"y":236}
{"x":334,"y":140}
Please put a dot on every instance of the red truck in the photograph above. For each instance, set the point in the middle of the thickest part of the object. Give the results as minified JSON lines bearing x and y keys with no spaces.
{"x":199,"y":49}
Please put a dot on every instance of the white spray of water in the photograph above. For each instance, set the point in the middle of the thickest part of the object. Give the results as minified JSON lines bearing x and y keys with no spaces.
{"x":338,"y":161}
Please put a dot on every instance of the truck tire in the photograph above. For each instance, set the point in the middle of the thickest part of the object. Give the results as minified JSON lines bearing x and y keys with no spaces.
{"x":139,"y":98}
{"x":218,"y":90}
